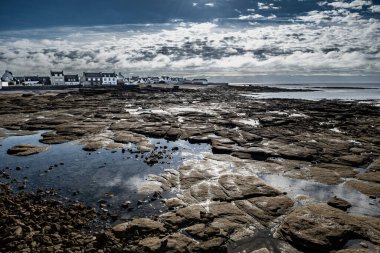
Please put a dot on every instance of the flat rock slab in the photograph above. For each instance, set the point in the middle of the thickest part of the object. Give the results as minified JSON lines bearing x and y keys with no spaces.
{"x":266,"y":209}
{"x":368,"y":188}
{"x":26,"y":149}
{"x":370,"y":176}
{"x":241,"y":187}
{"x":142,"y":225}
{"x":321,"y":228}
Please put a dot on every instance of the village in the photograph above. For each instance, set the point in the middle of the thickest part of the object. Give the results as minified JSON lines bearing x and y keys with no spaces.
{"x":59,"y":78}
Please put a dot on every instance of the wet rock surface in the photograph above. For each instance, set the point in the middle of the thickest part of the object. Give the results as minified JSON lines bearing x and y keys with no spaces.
{"x":25,"y":150}
{"x":220,"y":202}
{"x":323,"y":228}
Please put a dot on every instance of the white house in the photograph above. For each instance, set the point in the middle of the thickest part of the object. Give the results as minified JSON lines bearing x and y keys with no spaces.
{"x":57,"y":78}
{"x":154,"y":79}
{"x":165,"y":79}
{"x":71,"y":80}
{"x":94,"y":78}
{"x":31,"y":80}
{"x":200,"y":81}
{"x":109,"y":78}
{"x":3,"y":84}
{"x":176,"y":80}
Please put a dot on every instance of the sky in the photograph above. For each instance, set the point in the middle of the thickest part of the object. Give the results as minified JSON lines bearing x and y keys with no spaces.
{"x":233,"y":40}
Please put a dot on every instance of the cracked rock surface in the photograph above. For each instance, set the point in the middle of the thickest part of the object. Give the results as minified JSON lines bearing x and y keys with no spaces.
{"x":221,"y":202}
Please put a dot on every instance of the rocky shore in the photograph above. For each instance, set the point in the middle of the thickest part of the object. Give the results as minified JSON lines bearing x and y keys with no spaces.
{"x":222,"y":202}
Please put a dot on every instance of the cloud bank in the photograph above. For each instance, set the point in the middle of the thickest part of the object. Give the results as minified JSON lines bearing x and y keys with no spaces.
{"x":336,"y":40}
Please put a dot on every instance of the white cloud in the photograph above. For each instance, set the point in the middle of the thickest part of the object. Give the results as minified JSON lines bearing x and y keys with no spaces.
{"x":340,"y":16}
{"x":263,"y":6}
{"x":375,"y":8}
{"x":347,"y":44}
{"x":355,"y":4}
{"x":210,"y":4}
{"x":250,"y":17}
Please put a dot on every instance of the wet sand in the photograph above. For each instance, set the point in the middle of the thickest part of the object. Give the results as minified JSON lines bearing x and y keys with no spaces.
{"x":196,"y":170}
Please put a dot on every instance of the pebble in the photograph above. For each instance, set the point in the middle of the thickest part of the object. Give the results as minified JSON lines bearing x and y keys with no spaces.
{"x":126,"y":204}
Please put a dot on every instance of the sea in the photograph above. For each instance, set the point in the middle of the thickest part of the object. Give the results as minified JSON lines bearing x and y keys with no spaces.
{"x":317,"y":91}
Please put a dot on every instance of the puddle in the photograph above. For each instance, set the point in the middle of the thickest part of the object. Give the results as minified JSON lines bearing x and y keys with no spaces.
{"x":109,"y":175}
{"x":361,"y":203}
{"x":360,"y":244}
{"x":250,"y":122}
{"x":361,"y":170}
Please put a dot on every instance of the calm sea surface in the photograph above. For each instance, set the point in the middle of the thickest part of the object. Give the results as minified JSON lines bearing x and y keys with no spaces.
{"x":323,"y":91}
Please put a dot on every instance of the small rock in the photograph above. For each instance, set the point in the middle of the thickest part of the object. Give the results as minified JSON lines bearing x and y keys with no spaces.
{"x":126,"y":204}
{"x":18,"y":231}
{"x":150,"y":244}
{"x":339,"y":203}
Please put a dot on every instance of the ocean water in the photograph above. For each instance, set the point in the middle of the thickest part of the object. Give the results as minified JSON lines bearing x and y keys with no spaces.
{"x":339,"y":91}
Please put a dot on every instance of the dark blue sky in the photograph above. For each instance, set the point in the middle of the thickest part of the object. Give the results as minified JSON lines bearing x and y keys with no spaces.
{"x":23,"y":14}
